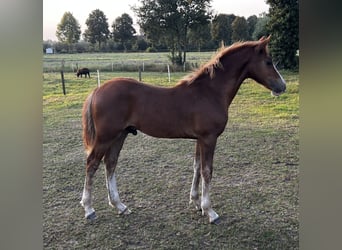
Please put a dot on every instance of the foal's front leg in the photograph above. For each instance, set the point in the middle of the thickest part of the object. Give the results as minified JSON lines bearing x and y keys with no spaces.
{"x":194,"y":193}
{"x":207,"y":148}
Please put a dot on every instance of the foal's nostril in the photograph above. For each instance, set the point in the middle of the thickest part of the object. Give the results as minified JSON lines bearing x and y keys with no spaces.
{"x":283,"y":88}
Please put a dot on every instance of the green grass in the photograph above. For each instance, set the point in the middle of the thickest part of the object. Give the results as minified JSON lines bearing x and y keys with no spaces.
{"x":122,"y":62}
{"x":254,"y":186}
{"x":253,"y":102}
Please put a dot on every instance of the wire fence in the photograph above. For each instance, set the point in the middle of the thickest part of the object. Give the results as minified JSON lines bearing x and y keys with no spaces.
{"x":121,"y":62}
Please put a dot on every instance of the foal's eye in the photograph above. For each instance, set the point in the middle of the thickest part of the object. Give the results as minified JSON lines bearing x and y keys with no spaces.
{"x":269,"y":63}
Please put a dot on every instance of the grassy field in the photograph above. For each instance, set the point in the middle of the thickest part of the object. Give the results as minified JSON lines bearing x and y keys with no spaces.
{"x":119,"y":61}
{"x":254,"y":187}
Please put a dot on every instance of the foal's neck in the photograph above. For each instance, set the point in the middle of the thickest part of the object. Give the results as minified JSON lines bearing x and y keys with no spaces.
{"x":233,"y":75}
{"x":230,"y":83}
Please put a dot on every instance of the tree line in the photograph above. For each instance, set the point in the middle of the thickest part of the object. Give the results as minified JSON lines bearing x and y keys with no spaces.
{"x":179,"y":26}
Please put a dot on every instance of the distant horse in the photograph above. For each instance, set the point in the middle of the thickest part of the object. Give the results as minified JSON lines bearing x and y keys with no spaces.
{"x":83,"y":71}
{"x":196,"y":108}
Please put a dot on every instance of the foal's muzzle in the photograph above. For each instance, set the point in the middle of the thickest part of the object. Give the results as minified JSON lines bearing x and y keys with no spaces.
{"x":278,"y":87}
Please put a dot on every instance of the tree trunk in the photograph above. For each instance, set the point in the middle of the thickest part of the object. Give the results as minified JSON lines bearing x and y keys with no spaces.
{"x":184,"y":56}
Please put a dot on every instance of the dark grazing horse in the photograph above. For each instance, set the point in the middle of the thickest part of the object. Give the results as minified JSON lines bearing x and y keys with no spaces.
{"x":195,"y":108}
{"x":83,"y":71}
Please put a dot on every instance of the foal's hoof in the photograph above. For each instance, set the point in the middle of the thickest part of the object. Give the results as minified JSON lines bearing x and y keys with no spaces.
{"x":91,"y":216}
{"x":216,"y":221}
{"x":125,"y":212}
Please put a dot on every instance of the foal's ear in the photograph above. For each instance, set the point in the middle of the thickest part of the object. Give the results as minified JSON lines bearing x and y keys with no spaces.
{"x":263,"y":38}
{"x":262,"y":46}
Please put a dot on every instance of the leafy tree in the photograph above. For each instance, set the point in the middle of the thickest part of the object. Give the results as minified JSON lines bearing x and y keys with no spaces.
{"x":169,"y":22}
{"x":149,"y":24}
{"x":140,"y":44}
{"x":82,"y":47}
{"x":68,"y":30}
{"x":60,"y":47}
{"x":123,"y":31}
{"x":283,"y":26}
{"x":221,"y":29}
{"x":199,"y":36}
{"x":97,"y":28}
{"x":260,"y":29}
{"x":251,"y":22}
{"x":239,"y":29}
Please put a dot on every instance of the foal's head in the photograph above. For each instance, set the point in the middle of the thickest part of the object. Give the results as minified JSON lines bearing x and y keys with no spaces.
{"x":262,"y":69}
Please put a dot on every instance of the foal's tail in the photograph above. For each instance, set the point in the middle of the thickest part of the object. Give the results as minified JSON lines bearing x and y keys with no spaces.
{"x":88,"y":124}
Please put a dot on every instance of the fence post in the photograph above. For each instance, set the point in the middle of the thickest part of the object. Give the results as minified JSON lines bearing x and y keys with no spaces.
{"x":139,"y":69}
{"x":62,"y":76}
{"x":63,"y":84}
{"x":168,"y":72}
{"x":98,"y":78}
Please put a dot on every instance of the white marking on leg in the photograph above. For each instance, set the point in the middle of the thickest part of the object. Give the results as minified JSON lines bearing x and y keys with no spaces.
{"x":206,"y":204}
{"x":113,"y":195}
{"x":194,"y":195}
{"x":86,"y":200}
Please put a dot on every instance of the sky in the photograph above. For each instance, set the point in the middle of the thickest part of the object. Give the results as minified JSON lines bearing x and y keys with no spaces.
{"x":53,"y":11}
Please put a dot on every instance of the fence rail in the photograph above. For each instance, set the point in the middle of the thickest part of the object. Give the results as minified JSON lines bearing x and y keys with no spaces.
{"x":113,"y":62}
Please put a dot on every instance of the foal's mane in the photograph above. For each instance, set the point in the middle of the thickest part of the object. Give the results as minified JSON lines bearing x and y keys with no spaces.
{"x":215,"y":62}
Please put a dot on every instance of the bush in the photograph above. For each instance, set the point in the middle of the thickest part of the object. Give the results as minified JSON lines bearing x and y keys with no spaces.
{"x":151,"y":49}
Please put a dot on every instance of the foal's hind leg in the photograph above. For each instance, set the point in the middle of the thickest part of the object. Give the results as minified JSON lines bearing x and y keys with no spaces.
{"x":93,"y":162}
{"x":111,"y":159}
